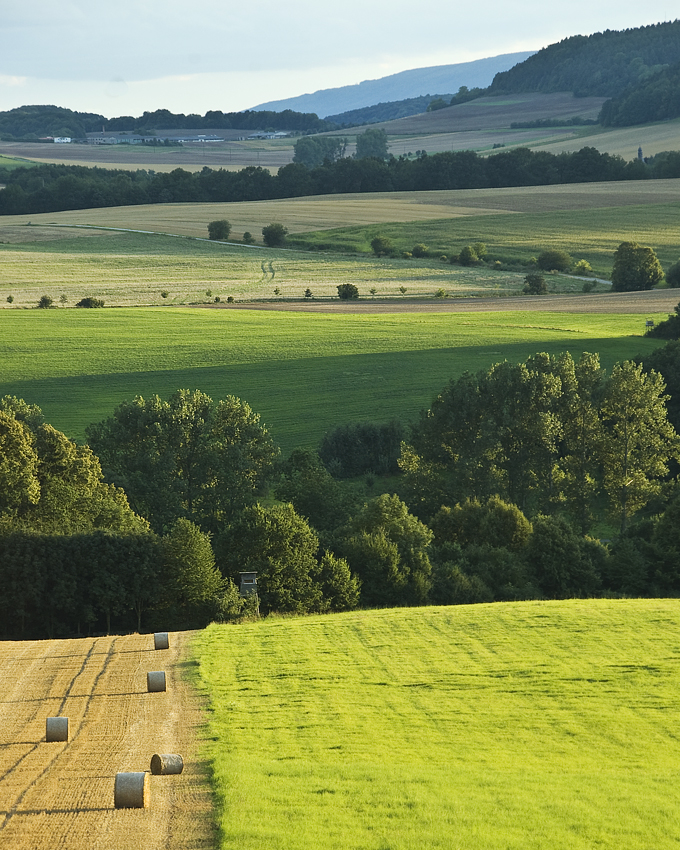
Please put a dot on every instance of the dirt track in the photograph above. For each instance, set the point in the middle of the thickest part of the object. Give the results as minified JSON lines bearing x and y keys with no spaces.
{"x":654,"y":301}
{"x":60,"y":795}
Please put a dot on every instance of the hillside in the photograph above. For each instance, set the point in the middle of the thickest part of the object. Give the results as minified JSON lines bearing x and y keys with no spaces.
{"x":656,"y":98}
{"x":396,"y":87}
{"x":519,"y":726}
{"x":600,"y":65}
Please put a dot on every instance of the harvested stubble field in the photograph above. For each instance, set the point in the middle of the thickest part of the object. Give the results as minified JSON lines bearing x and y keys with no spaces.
{"x":60,"y":795}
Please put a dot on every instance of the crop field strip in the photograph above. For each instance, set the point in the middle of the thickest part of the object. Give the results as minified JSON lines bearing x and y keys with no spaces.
{"x":515,"y":726}
{"x":60,"y":795}
{"x":303,"y":373}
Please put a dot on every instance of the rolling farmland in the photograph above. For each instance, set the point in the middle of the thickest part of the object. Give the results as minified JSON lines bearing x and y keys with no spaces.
{"x":519,"y":726}
{"x":61,"y":795}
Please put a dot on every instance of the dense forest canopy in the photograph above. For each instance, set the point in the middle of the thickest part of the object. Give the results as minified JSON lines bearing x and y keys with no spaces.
{"x":600,"y":65}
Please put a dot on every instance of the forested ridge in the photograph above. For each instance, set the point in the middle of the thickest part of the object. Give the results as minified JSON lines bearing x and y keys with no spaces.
{"x":600,"y":65}
{"x":501,"y":487}
{"x":49,"y":188}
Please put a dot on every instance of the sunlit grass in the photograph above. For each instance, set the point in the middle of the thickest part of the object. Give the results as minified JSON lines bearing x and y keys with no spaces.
{"x":304,"y":373}
{"x":527,"y":725}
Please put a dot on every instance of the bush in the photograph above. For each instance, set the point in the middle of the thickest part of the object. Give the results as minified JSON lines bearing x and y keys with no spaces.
{"x":534,"y":284}
{"x":582,"y":269}
{"x":10,"y":299}
{"x":554,"y":259}
{"x":347,"y":291}
{"x":382,"y":246}
{"x":90,"y":302}
{"x":45,"y":302}
{"x":248,"y":238}
{"x":419,"y":250}
{"x":219,"y":230}
{"x":588,"y":285}
{"x":274,"y":235}
{"x":672,"y":276}
{"x":467,"y":256}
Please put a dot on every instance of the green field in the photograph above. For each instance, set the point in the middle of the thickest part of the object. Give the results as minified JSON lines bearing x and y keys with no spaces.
{"x":304,"y":373}
{"x":520,"y":726}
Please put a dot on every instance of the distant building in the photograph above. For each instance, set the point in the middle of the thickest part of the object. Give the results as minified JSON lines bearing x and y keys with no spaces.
{"x":62,"y":140}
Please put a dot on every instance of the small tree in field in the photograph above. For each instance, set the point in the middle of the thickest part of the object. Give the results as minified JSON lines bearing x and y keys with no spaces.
{"x":219,"y":230}
{"x":468,"y":256}
{"x":635,"y":268}
{"x":45,"y":302}
{"x":347,"y":291}
{"x":534,"y":284}
{"x":382,"y":246}
{"x":274,"y":235}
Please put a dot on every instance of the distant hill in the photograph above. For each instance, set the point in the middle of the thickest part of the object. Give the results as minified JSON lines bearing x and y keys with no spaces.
{"x":600,"y":65}
{"x":387,"y":111}
{"x":397,"y":87}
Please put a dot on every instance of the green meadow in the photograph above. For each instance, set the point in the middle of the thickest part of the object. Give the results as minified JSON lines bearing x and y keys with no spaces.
{"x":304,"y":373}
{"x":520,"y":726}
{"x":590,"y":234}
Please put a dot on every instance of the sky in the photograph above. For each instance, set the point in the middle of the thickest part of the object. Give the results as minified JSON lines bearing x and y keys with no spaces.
{"x":128,"y":56}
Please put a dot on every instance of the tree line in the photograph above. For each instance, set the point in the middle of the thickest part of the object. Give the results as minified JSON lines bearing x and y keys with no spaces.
{"x":33,"y":122}
{"x":497,"y":490}
{"x":52,"y":187}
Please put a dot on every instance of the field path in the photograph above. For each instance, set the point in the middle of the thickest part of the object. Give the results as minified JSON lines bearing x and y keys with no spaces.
{"x":60,"y":795}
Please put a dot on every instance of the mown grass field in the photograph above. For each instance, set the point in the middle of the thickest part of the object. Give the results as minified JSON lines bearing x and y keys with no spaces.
{"x":520,"y":726}
{"x":304,"y":373}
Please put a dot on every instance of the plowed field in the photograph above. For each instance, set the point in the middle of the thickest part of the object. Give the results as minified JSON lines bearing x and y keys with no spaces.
{"x":60,"y":795}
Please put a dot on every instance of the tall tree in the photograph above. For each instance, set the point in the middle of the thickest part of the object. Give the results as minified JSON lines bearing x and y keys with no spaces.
{"x":186,"y":457}
{"x":638,"y":440}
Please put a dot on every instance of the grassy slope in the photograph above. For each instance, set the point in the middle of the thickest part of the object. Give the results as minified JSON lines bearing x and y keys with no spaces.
{"x":525,"y":725}
{"x":304,"y":373}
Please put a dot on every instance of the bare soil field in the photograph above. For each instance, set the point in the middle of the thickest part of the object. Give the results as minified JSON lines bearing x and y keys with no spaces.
{"x":61,"y":795}
{"x":643,"y":303}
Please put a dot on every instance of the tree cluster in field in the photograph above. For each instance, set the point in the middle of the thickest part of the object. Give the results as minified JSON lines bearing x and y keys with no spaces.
{"x":34,"y":122}
{"x":498,"y":487}
{"x":52,"y":187}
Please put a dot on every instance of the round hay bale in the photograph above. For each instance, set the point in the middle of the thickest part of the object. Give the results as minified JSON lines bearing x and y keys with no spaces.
{"x":155,"y":681}
{"x":56,"y":729}
{"x":161,"y":640}
{"x":166,"y":764}
{"x":131,"y":791}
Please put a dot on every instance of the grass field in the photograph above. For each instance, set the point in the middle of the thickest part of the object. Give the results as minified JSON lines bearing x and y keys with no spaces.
{"x":304,"y":373}
{"x":519,"y":726}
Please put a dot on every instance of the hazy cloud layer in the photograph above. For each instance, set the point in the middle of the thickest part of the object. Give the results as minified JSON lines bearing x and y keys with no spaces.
{"x":235,"y":55}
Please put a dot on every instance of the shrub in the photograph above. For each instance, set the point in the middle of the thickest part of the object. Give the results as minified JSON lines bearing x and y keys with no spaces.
{"x":672,"y":276}
{"x":382,"y":246}
{"x":588,"y":285}
{"x":274,"y":235}
{"x":554,"y":259}
{"x":230,"y":299}
{"x":467,"y":256}
{"x":219,"y":230}
{"x":441,"y":293}
{"x":419,"y":250}
{"x":45,"y":302}
{"x":164,"y":293}
{"x":90,"y":302}
{"x":308,"y":293}
{"x":534,"y":284}
{"x":347,"y":291}
{"x":480,"y":250}
{"x":10,"y":299}
{"x":582,"y":269}
{"x":248,"y":238}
